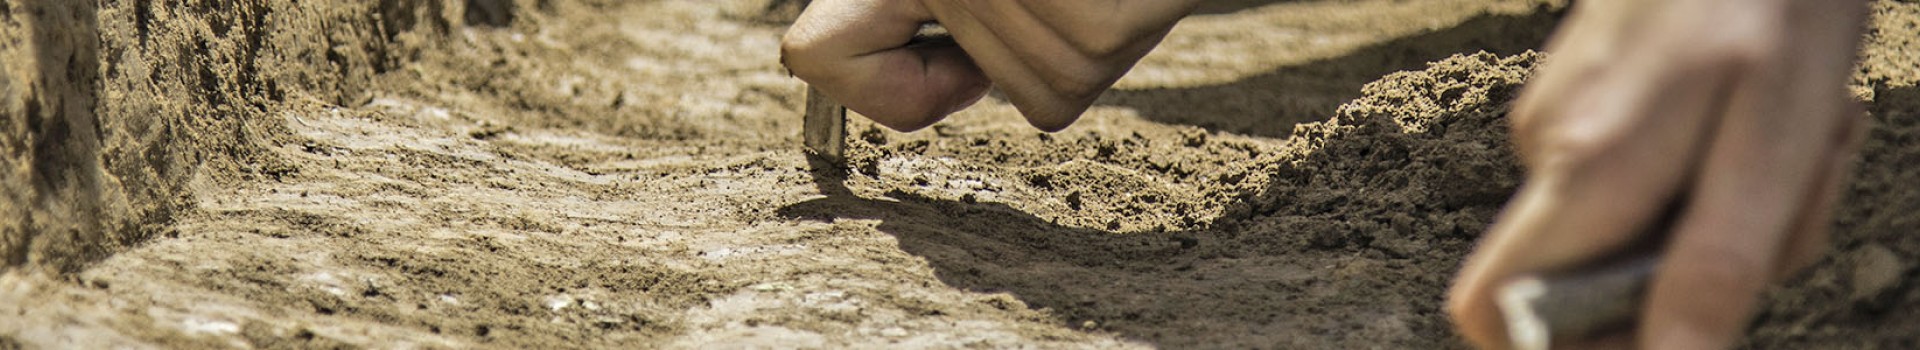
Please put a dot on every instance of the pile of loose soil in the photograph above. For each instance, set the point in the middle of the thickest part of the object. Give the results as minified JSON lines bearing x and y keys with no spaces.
{"x":591,"y":174}
{"x":1187,"y":238}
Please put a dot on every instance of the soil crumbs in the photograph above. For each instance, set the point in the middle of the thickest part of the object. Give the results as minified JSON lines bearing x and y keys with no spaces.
{"x":601,"y":174}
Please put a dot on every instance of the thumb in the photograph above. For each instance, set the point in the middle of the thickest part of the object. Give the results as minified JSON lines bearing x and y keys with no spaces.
{"x":862,"y":54}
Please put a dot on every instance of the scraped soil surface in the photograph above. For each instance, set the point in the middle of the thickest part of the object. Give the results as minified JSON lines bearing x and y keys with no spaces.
{"x":608,"y":174}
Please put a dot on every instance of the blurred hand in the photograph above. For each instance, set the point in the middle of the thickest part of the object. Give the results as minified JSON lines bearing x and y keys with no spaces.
{"x":1735,"y":108}
{"x":1050,"y":57}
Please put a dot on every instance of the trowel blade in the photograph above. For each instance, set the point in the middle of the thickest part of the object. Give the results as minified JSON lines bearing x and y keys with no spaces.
{"x":825,"y":127}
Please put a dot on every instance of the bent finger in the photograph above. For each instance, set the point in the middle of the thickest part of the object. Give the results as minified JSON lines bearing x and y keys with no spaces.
{"x":1811,"y":231}
{"x":1727,"y":246}
{"x":1828,"y":31}
{"x":858,"y":52}
{"x":1772,"y":153}
{"x":1600,"y":178}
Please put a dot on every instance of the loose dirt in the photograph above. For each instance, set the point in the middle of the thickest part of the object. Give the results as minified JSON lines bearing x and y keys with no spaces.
{"x":592,"y":174}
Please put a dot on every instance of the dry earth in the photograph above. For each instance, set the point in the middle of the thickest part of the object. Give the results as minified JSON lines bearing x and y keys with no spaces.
{"x":627,"y":174}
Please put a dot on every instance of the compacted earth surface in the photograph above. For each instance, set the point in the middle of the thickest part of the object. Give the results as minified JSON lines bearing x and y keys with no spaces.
{"x":628,"y":174}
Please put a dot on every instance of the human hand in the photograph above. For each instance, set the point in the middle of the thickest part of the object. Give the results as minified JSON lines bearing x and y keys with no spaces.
{"x":1734,"y":109}
{"x":1051,"y":58}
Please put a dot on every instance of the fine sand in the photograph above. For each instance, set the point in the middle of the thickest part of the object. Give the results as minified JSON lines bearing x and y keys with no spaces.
{"x":628,"y":174}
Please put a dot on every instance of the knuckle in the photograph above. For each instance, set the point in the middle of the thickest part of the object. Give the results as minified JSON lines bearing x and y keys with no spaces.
{"x":1052,"y":120}
{"x":1105,"y":44}
{"x":797,"y":39}
{"x":1741,"y":54}
{"x":1526,"y":121}
{"x":1082,"y":80}
{"x":802,"y":51}
{"x":1076,"y":87}
{"x":1743,"y":40}
{"x":1571,"y":150}
{"x":791,"y":63}
{"x":794,"y":55}
{"x":1460,"y":304}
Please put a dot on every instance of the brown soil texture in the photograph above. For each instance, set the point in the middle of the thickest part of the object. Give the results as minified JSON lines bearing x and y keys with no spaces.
{"x":609,"y":174}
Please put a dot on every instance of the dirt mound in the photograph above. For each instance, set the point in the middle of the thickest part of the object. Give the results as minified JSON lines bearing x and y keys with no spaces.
{"x":1186,"y":238}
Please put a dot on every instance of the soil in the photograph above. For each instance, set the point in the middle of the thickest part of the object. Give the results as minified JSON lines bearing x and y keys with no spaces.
{"x":596,"y":174}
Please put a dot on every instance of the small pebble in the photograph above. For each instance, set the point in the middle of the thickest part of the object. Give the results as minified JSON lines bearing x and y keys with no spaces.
{"x":1876,"y":269}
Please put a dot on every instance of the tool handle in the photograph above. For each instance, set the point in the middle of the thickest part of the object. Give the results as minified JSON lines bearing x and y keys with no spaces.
{"x":1539,"y":309}
{"x":825,"y":127}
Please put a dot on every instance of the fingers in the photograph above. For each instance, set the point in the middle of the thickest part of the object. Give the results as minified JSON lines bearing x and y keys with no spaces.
{"x":1754,"y":101}
{"x":1825,"y":26}
{"x":1725,"y":251}
{"x":1616,"y":152}
{"x":1768,"y":182}
{"x":1808,"y":242}
{"x":857,"y":52}
{"x":1053,"y":58}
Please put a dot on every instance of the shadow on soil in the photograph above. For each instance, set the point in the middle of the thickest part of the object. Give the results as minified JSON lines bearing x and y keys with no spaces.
{"x":787,"y":9}
{"x":1269,"y":104}
{"x":1256,"y":282}
{"x":1080,"y":274}
{"x":1221,"y":7}
{"x":1222,"y":287}
{"x":1241,"y":283}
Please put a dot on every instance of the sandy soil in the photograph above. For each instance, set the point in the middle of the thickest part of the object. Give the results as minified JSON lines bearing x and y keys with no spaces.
{"x":592,"y":174}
